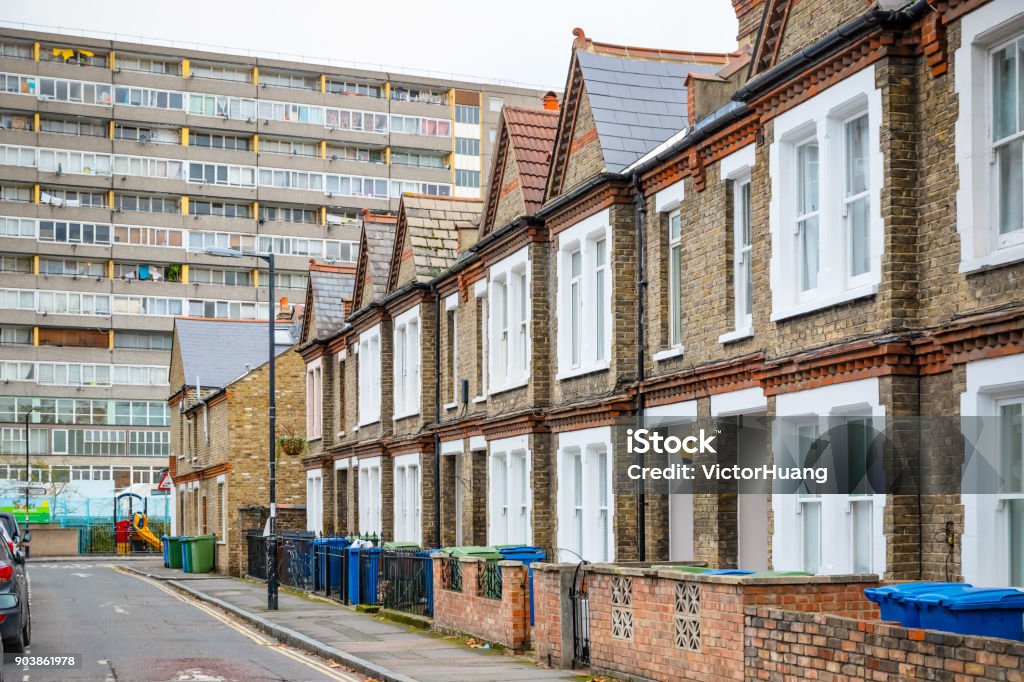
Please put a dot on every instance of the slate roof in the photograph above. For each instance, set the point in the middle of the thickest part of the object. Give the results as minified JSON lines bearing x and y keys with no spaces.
{"x":431,"y":224}
{"x":637,"y":103}
{"x":215,"y":352}
{"x":380,"y":242}
{"x":329,"y":286}
{"x":531,"y":133}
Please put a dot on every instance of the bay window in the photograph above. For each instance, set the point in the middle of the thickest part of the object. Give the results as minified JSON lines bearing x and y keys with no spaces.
{"x":369,"y":376}
{"x":509,"y":284}
{"x":509,"y":492}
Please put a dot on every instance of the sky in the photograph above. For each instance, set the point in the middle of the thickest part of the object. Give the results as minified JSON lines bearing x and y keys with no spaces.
{"x":524,"y":42}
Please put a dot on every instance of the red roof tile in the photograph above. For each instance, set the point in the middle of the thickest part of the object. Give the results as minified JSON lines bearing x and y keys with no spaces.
{"x":532,"y":135}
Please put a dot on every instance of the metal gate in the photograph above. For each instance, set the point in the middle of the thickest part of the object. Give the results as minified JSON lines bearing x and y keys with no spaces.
{"x":580,"y":597}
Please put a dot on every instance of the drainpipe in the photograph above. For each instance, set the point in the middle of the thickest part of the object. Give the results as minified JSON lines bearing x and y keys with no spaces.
{"x":437,"y":415}
{"x":641,"y":288}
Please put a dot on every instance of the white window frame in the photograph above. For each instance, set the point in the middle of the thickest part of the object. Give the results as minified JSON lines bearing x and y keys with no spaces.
{"x":675,"y":274}
{"x":509,"y":317}
{"x":583,"y":237}
{"x":315,"y":501}
{"x":837,"y":518}
{"x":586,"y":506}
{"x":737,"y":168}
{"x":406,"y":365}
{"x":509,"y":492}
{"x":369,"y":376}
{"x":821,"y":119}
{"x":370,"y":496}
{"x":981,"y":30}
{"x":480,"y":292}
{"x":408,"y":498}
{"x":985,"y":547}
{"x":314,"y":399}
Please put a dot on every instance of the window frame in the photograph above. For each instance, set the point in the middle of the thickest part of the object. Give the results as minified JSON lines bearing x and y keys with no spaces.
{"x":583,"y":238}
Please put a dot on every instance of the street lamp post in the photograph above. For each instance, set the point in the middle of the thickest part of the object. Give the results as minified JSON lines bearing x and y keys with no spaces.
{"x":28,"y":417}
{"x":272,"y":580}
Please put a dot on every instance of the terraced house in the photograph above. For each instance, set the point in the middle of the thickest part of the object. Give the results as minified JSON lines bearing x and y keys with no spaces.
{"x":822,"y":225}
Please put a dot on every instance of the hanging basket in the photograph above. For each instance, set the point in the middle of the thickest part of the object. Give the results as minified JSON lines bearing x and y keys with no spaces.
{"x":293,"y":446}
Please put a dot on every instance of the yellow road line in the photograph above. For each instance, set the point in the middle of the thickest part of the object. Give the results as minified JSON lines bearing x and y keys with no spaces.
{"x":256,"y":637}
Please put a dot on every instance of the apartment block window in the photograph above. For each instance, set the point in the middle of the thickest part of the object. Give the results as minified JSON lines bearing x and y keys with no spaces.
{"x":147,"y":65}
{"x":369,"y":497}
{"x":314,"y":399}
{"x":288,"y":147}
{"x":417,"y":125}
{"x":145,"y":167}
{"x":73,"y":232}
{"x":80,"y":128}
{"x":17,"y":50}
{"x":15,"y":193}
{"x":495,"y":103}
{"x":73,"y":198}
{"x":584,"y":297}
{"x":74,"y":91}
{"x":271,"y":177}
{"x":17,"y":227}
{"x":509,"y":495}
{"x":287,"y":280}
{"x":585,"y":495}
{"x":400,"y":187}
{"x":67,"y":267}
{"x":132,"y":202}
{"x":142,"y":340}
{"x":149,"y":443}
{"x":467,"y":178}
{"x":288,"y":214}
{"x":148,"y":97}
{"x":222,"y":107}
{"x":224,"y":73}
{"x":218,"y":141}
{"x":337,"y":87}
{"x":75,"y":163}
{"x":675,"y":294}
{"x":467,"y":114}
{"x":289,"y":80}
{"x":467,"y":146}
{"x":17,"y":299}
{"x":369,"y":376}
{"x":222,"y":209}
{"x":510,"y":322}
{"x":148,"y":236}
{"x":15,"y":336}
{"x":220,"y":174}
{"x":148,"y":305}
{"x":407,"y":499}
{"x":427,"y":96}
{"x":12,"y":155}
{"x":407,"y":363}
{"x":286,"y":111}
{"x":348,"y":119}
{"x":826,"y":224}
{"x":743,"y":249}
{"x":17,"y":264}
{"x":227,"y":310}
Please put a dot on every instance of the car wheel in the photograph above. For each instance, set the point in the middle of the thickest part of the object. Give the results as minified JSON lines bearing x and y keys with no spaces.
{"x":15,"y":645}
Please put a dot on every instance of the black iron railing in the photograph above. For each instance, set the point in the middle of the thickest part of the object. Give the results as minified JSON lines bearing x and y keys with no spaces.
{"x":295,"y":564}
{"x":256,"y":545}
{"x":488,"y":580}
{"x":406,"y":583}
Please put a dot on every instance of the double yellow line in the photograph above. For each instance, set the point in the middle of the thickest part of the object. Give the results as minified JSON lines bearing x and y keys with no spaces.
{"x":260,"y":639}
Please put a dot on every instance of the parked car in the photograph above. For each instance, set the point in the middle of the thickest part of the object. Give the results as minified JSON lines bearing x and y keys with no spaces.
{"x":10,"y":524}
{"x":15,"y":606}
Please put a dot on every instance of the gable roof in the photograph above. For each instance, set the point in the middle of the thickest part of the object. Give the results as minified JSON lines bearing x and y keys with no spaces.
{"x":376,"y":241}
{"x":427,"y":233}
{"x":525,"y":137}
{"x":216,"y":352}
{"x":328,"y":287}
{"x":637,"y":97}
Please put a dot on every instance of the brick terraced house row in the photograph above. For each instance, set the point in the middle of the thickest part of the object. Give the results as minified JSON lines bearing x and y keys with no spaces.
{"x":219,"y":407}
{"x":825,"y":223}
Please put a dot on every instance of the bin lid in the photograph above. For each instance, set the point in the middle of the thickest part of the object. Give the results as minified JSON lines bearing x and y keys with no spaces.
{"x":780,"y":574}
{"x":977,"y":599}
{"x":401,"y":544}
{"x":685,"y":568}
{"x":473,"y":550}
{"x":904,"y":590}
{"x":728,"y":571}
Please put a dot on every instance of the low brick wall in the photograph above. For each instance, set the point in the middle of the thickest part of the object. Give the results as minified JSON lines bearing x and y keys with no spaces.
{"x":504,"y":621}
{"x":780,"y":644}
{"x":650,"y":624}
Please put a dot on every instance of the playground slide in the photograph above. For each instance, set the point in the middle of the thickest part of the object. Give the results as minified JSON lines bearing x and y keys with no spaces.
{"x":139,"y":522}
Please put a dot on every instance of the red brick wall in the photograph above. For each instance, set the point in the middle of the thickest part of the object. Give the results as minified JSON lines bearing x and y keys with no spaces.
{"x":800,"y":646}
{"x":547,"y":616}
{"x":505,"y":621}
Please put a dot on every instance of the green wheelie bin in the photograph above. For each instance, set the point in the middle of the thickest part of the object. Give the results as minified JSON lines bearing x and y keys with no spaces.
{"x":173,"y":551}
{"x":201,"y":552}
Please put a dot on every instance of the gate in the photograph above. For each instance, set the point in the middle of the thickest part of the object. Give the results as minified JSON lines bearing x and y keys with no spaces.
{"x":580,"y":597}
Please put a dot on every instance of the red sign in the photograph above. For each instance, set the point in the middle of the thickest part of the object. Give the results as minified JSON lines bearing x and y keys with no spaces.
{"x":165,"y":482}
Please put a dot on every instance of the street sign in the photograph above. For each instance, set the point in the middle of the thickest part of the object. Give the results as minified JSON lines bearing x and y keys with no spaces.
{"x":157,"y":492}
{"x":165,"y":484}
{"x":33,"y":491}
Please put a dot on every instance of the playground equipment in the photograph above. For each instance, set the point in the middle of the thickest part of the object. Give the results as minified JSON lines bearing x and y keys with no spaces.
{"x":142,"y":531}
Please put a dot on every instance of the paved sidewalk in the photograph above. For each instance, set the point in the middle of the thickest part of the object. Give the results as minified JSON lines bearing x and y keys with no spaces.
{"x":370,"y":645}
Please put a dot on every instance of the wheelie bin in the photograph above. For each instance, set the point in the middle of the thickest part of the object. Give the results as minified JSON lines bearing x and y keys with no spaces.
{"x":897,"y":602}
{"x":981,"y":611}
{"x":202,"y":549}
{"x":186,"y":554}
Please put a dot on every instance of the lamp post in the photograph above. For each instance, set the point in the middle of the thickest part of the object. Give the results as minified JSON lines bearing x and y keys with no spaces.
{"x":28,"y":417}
{"x":223,"y":252}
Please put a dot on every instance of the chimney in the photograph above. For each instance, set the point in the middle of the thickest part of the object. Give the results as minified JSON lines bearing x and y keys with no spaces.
{"x":550,"y":101}
{"x":283,"y":312}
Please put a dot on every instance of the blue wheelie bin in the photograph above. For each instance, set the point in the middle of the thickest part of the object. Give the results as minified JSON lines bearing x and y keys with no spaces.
{"x":328,"y":553}
{"x":186,"y":555}
{"x":896,"y":602}
{"x":166,"y":542}
{"x":728,"y":571}
{"x":353,"y":575}
{"x":527,"y":554}
{"x":981,"y":611}
{"x":369,"y":574}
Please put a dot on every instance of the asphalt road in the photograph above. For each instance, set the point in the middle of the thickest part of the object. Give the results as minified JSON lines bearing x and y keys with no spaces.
{"x":127,"y":629}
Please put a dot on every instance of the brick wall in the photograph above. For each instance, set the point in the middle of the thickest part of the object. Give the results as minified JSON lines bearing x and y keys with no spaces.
{"x":504,"y":621}
{"x":785,"y":645}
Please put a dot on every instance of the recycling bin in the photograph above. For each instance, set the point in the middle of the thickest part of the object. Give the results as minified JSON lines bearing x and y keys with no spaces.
{"x":165,"y":542}
{"x":401,"y":546}
{"x":186,"y":555}
{"x":683,"y":568}
{"x":527,"y":554}
{"x":486,"y":553}
{"x":981,"y":611}
{"x":780,"y":574}
{"x":328,"y":553}
{"x":896,"y":602}
{"x":728,"y":571}
{"x":203,"y":551}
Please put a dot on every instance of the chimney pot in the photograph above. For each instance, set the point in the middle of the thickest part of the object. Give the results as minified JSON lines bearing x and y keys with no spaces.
{"x":550,"y":101}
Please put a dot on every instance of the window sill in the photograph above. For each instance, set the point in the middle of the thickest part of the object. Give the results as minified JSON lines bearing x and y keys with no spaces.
{"x":997,"y":258}
{"x":662,"y":356}
{"x":738,"y":335}
{"x":451,"y":406}
{"x":508,"y":387}
{"x":480,"y":399}
{"x":406,"y":415}
{"x":581,"y":371}
{"x":314,"y":439}
{"x":825,"y":302}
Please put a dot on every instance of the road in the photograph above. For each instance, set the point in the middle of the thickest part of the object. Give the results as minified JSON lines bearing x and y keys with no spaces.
{"x":128,"y":629}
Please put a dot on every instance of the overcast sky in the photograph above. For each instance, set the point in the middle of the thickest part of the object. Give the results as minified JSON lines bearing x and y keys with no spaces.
{"x":526,"y":41}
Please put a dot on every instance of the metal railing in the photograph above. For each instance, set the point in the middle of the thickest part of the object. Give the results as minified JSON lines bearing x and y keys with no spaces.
{"x":488,"y":580}
{"x":295,"y":565}
{"x":406,"y":583}
{"x":256,"y":544}
{"x":451,"y":574}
